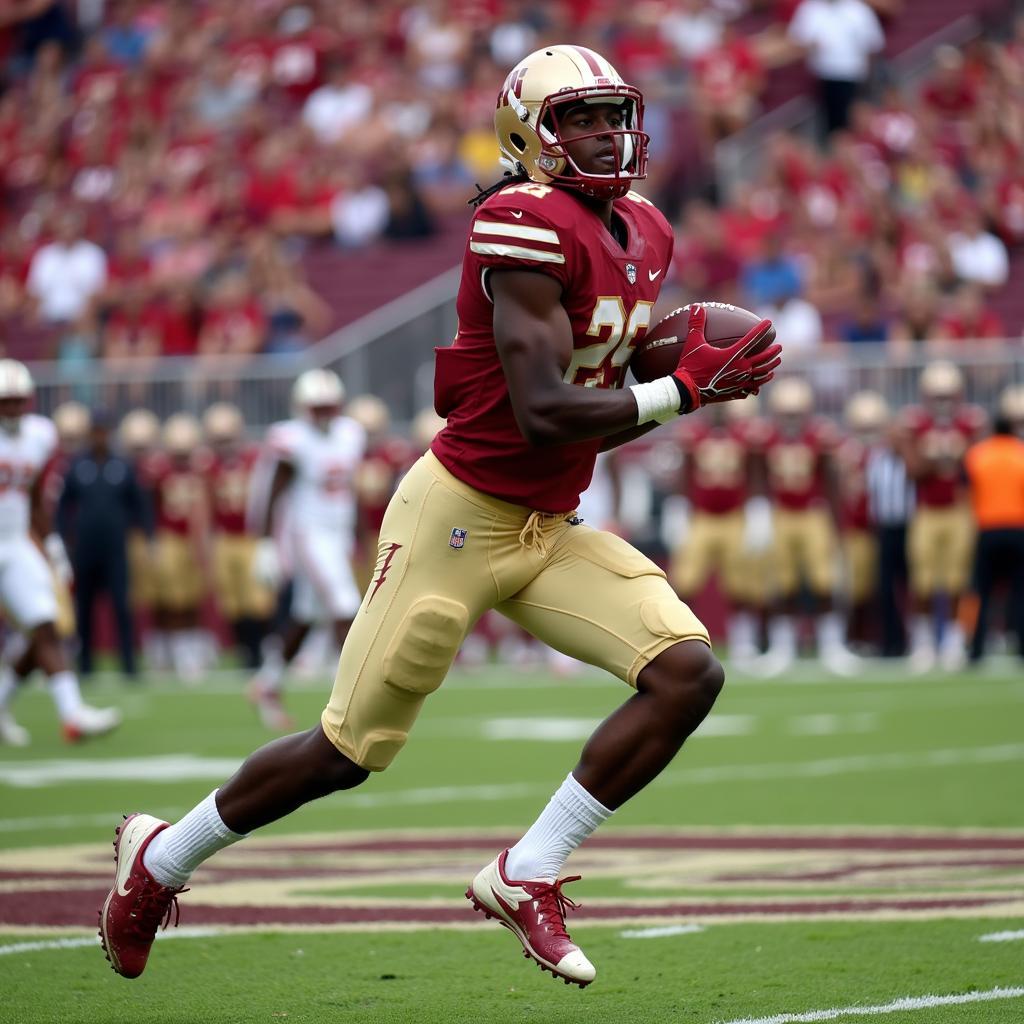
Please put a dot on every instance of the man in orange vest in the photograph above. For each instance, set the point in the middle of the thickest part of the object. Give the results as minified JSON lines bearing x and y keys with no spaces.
{"x":995,"y":471}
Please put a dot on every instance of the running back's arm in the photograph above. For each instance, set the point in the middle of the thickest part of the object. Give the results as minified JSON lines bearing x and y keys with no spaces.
{"x":534,"y":340}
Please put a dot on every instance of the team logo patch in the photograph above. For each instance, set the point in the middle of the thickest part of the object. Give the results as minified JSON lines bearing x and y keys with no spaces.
{"x":575,"y":520}
{"x":631,"y":273}
{"x":458,"y":538}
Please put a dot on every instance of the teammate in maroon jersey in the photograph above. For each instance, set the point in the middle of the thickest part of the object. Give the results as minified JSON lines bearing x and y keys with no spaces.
{"x":561,"y":272}
{"x":936,"y":436}
{"x":181,"y":560}
{"x":716,"y":485}
{"x":799,"y":461}
{"x":226,"y":466}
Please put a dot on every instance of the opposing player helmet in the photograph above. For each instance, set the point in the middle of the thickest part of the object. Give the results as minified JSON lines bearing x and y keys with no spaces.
{"x":550,"y":81}
{"x":181,"y":434}
{"x":941,"y":379}
{"x":139,"y":430}
{"x":866,"y":410}
{"x":16,"y":388}
{"x":791,"y":396}
{"x":72,"y":420}
{"x":223,"y":422}
{"x":317,"y":389}
{"x":370,"y":413}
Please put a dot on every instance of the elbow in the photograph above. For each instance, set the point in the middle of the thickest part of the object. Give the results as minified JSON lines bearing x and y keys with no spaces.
{"x":539,"y":429}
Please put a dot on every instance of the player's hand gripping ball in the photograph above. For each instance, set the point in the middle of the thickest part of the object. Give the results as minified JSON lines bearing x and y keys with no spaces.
{"x":718,"y":351}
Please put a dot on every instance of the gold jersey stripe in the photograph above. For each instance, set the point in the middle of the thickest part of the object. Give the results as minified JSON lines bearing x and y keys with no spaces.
{"x":519,"y":251}
{"x":490,"y":227}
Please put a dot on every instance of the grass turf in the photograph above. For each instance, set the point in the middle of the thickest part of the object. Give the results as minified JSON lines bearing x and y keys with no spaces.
{"x":724,"y":973}
{"x":877,"y":751}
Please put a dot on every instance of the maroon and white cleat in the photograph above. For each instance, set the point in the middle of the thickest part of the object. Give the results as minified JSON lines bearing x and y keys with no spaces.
{"x":138,"y":903}
{"x":534,"y":911}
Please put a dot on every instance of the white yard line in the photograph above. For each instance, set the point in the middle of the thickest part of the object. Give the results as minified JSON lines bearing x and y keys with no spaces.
{"x":662,"y":932}
{"x":94,"y":940}
{"x":897,"y":1005}
{"x":68,"y":821}
{"x":176,"y":767}
{"x":949,"y":757}
{"x":1017,"y":936}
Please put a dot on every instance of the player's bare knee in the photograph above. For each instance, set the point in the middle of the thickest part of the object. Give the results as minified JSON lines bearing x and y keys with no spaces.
{"x":687,"y":673}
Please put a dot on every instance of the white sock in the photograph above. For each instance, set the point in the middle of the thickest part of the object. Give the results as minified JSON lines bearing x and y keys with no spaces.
{"x":176,"y":852}
{"x":271,"y":672}
{"x":922,"y":637}
{"x":571,"y":816}
{"x":66,"y":694}
{"x":830,"y":631}
{"x":742,"y":635}
{"x":8,"y":684}
{"x":782,"y":635}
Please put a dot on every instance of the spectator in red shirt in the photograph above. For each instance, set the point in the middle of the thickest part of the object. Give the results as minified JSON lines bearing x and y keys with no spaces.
{"x":969,"y":319}
{"x":233,"y":325}
{"x":727,"y":81}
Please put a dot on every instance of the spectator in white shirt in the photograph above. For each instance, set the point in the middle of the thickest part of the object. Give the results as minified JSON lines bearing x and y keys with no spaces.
{"x":838,"y":38}
{"x":66,"y":273}
{"x":337,"y":106}
{"x":978,"y":255}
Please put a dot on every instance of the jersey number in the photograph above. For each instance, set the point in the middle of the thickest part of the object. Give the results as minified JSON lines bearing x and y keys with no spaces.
{"x":603,"y":364}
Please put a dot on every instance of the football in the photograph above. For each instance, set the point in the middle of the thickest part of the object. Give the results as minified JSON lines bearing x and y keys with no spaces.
{"x":657,"y":354}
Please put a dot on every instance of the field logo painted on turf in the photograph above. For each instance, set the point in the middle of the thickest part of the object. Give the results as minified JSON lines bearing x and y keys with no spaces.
{"x":643,"y":879}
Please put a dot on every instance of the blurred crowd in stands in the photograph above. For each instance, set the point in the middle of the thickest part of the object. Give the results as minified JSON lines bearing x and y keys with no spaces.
{"x":180,"y":157}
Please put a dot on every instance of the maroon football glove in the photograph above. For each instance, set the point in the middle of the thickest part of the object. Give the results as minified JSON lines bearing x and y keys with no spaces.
{"x":709,"y":374}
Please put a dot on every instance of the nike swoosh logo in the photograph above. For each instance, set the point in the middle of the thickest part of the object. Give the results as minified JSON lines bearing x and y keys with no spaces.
{"x":518,"y":214}
{"x":653,"y":274}
{"x":124,"y":867}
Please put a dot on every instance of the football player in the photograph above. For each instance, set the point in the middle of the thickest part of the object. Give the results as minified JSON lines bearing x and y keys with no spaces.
{"x":935,"y":437}
{"x":799,"y":467}
{"x":182,"y":538}
{"x":27,"y":444}
{"x":562,"y":270}
{"x":227,"y":465}
{"x":316,"y":457}
{"x":387,"y":457}
{"x":867,"y":415}
{"x":139,"y":437}
{"x":717,"y":506}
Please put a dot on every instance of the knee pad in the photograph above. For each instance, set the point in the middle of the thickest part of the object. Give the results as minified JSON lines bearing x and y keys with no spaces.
{"x":424,"y":646}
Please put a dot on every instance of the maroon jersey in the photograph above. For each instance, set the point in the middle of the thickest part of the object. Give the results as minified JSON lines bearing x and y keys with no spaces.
{"x":608,"y":293}
{"x":796,"y":464}
{"x":177,"y":494}
{"x":715,"y":470}
{"x":851,"y":465}
{"x":943,"y":442}
{"x":227,"y":480}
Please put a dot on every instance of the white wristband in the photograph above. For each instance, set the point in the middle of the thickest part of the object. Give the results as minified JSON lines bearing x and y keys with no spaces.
{"x":658,"y":400}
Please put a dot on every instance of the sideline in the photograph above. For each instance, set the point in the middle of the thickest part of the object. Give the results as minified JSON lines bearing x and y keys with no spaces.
{"x":906,"y":1003}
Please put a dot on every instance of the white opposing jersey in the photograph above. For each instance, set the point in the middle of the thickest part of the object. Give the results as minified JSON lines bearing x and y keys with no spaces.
{"x":23,"y":455}
{"x":325,"y":464}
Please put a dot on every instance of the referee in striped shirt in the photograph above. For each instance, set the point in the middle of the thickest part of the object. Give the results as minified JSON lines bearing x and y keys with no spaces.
{"x":890,"y":506}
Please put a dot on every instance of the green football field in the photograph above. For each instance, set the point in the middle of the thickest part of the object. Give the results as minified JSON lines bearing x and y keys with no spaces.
{"x":820,"y":850}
